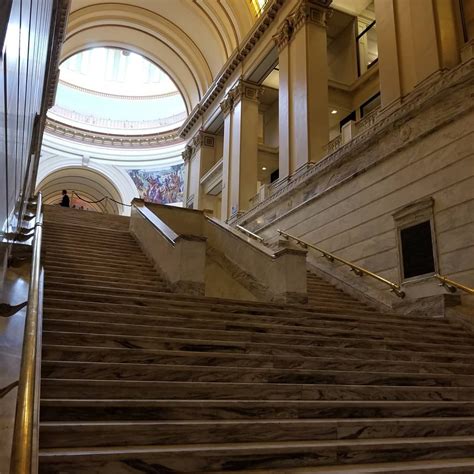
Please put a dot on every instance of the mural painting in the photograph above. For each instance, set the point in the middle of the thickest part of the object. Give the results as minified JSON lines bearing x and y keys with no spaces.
{"x":163,"y":186}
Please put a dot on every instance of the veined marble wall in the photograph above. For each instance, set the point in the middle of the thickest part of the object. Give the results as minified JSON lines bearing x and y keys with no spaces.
{"x":24,"y":36}
{"x":345,"y":203}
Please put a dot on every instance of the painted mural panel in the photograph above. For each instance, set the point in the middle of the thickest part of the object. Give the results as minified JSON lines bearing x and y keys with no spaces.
{"x":162,"y":186}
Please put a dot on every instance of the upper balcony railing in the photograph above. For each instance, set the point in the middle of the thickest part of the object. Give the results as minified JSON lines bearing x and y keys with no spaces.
{"x":367,"y":48}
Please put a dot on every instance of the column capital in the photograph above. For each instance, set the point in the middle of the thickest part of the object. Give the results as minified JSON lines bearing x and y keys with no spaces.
{"x":201,"y":139}
{"x":284,"y":33}
{"x":227,"y":105}
{"x":312,"y":11}
{"x":243,"y":90}
{"x":187,"y":153}
{"x":307,"y":11}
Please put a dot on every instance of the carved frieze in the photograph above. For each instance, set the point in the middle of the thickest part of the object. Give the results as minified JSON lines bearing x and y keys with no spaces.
{"x":187,"y":153}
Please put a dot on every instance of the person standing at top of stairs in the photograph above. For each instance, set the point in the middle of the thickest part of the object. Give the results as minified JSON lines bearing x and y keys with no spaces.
{"x":65,"y":199}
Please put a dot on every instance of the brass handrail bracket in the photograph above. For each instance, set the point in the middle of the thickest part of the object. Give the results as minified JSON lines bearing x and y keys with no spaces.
{"x":452,"y":286}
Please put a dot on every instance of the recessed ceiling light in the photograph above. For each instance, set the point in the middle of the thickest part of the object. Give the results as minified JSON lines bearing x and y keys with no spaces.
{"x":264,"y":168}
{"x":334,"y":111}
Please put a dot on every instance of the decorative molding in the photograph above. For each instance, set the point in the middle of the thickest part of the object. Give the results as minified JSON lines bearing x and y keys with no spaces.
{"x":285,"y":32}
{"x":61,"y":13}
{"x":69,"y":132}
{"x":234,"y":61}
{"x":119,"y":96}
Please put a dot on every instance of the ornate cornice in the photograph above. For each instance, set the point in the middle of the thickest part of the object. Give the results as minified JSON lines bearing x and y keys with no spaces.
{"x":110,"y":140}
{"x":234,"y":61}
{"x":119,"y":96}
{"x":61,"y":13}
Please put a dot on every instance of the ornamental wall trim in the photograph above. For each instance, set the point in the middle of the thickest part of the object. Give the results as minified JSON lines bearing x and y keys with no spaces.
{"x":111,"y":140}
{"x":233,"y":62}
{"x":119,"y":96}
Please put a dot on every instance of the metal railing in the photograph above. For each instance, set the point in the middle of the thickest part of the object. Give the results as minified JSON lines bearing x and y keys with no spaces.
{"x":359,"y":271}
{"x":26,"y":417}
{"x":452,"y":285}
{"x":250,"y":233}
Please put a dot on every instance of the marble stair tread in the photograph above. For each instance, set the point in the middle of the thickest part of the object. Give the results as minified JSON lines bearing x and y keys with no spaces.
{"x":73,"y":409}
{"x":330,"y":347}
{"x":219,"y":359}
{"x":227,"y":325}
{"x":227,"y":456}
{"x":341,"y":340}
{"x":119,"y":433}
{"x":99,"y":388}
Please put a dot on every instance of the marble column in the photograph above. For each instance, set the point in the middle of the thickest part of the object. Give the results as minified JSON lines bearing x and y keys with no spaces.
{"x":240,"y":150}
{"x":303,"y":90}
{"x":187,"y":199}
{"x":415,"y":40}
{"x":202,"y":159}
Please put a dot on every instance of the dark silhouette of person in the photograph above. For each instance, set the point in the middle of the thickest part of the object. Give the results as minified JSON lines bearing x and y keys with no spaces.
{"x":65,"y":199}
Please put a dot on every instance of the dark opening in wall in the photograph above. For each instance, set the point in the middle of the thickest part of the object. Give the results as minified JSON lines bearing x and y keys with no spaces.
{"x":417,"y":250}
{"x":274,"y":176}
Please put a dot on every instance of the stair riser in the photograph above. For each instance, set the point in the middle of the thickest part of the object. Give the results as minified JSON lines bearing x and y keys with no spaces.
{"x":105,"y":389}
{"x":109,"y":264}
{"x":239,"y":412}
{"x":215,"y":461}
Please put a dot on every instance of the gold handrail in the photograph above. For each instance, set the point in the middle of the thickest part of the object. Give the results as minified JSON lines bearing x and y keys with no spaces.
{"x":359,"y":271}
{"x":452,"y":285}
{"x":26,"y":412}
{"x":249,"y":233}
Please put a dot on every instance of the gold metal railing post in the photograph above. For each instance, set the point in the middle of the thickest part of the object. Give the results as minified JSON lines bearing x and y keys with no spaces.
{"x":22,"y":450}
{"x":359,"y":271}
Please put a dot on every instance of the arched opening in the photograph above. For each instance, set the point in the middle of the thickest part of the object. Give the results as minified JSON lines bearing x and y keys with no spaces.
{"x":87,"y":189}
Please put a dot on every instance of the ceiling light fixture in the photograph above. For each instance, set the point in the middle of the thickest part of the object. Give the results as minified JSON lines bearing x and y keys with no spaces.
{"x":264,"y":168}
{"x":334,"y":111}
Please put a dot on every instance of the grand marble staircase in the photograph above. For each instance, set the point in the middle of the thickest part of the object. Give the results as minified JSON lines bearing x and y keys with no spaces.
{"x":136,"y":379}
